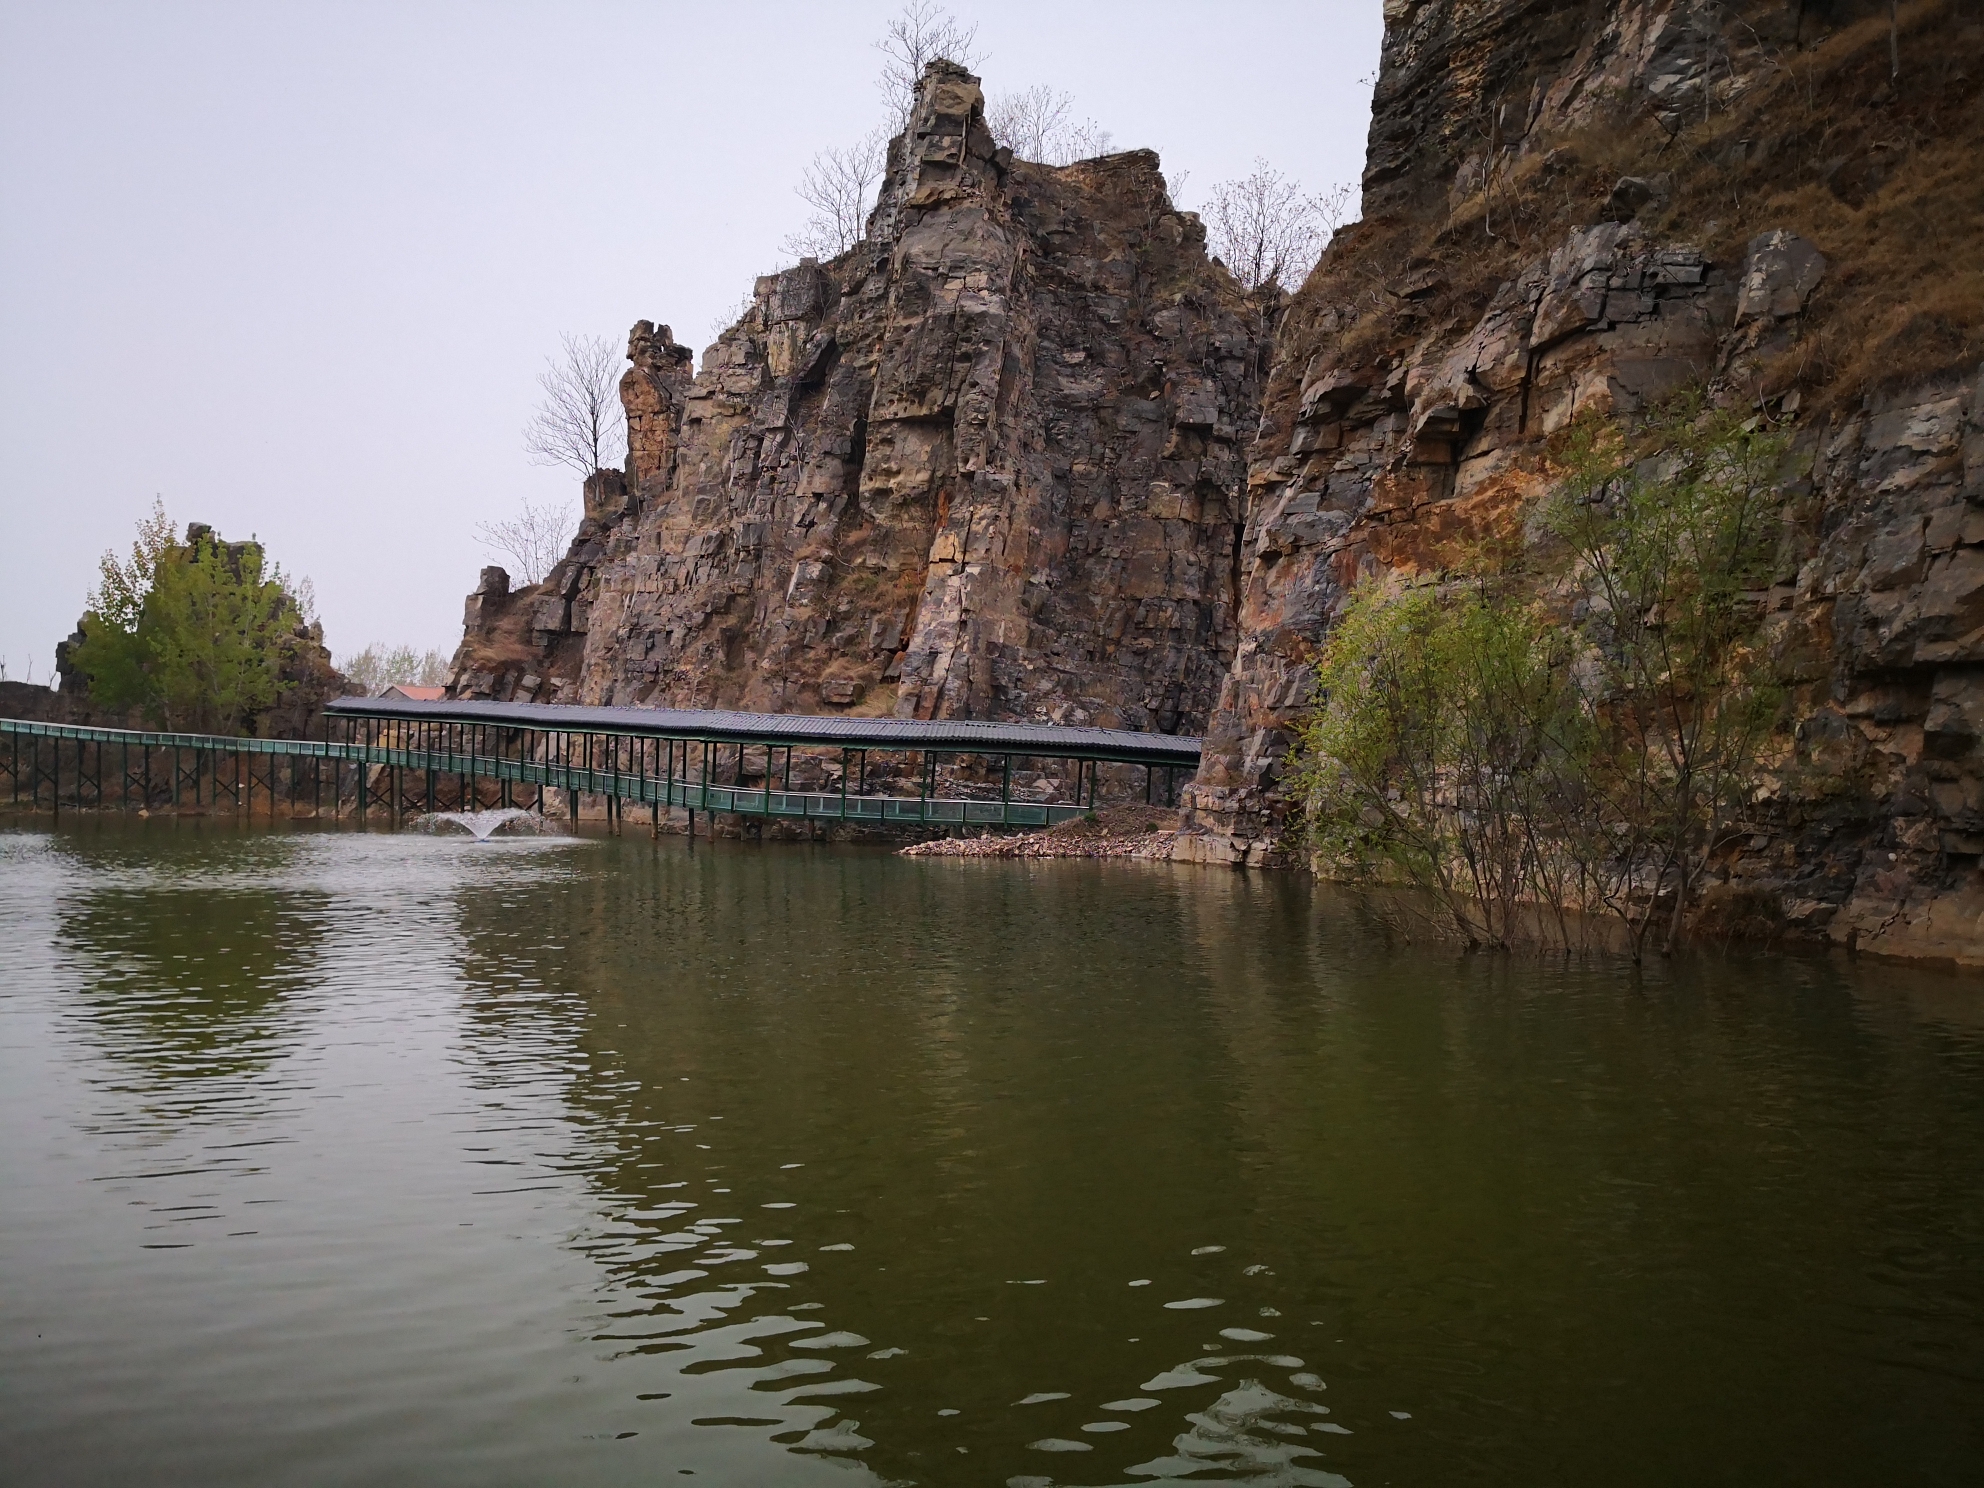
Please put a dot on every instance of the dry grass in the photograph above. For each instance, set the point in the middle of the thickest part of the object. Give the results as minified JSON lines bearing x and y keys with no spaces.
{"x":1884,"y":180}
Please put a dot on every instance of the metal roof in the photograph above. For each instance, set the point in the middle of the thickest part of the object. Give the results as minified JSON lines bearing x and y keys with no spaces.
{"x":962,"y":735}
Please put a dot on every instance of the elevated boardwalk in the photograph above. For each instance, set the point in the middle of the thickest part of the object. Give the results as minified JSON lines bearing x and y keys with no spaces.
{"x":400,"y":755}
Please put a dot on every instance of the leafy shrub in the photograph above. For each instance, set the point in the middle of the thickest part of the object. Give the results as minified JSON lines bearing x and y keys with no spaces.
{"x":193,"y":634}
{"x":1522,"y":753}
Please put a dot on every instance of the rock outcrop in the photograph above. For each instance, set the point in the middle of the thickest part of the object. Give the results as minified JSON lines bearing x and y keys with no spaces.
{"x":1020,"y":454}
{"x":1577,"y":209}
{"x":987,"y":463}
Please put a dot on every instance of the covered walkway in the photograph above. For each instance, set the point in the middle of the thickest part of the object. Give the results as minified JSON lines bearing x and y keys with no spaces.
{"x":403,"y":754}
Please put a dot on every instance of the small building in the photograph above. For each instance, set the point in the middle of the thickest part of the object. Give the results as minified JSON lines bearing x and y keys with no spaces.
{"x":415,"y":694}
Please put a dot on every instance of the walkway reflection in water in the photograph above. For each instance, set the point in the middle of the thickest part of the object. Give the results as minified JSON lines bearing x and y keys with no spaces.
{"x":360,"y":1158}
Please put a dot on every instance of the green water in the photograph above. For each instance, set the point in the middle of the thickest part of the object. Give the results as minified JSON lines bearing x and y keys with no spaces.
{"x":341,"y":1158}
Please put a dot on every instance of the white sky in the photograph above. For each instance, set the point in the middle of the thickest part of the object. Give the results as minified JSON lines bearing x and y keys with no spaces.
{"x":294,"y":267}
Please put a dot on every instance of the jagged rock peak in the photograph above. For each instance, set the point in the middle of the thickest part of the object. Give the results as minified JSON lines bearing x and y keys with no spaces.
{"x":651,"y":393}
{"x":944,"y":154}
{"x":986,"y":463}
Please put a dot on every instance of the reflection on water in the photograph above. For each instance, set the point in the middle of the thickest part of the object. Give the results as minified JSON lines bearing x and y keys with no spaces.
{"x":339,"y":1157}
{"x":186,"y":980}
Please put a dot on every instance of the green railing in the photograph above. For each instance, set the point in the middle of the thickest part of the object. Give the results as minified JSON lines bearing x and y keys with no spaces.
{"x":156,"y":770}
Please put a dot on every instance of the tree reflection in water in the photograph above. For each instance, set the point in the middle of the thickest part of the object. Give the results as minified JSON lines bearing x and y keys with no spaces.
{"x":183,"y":958}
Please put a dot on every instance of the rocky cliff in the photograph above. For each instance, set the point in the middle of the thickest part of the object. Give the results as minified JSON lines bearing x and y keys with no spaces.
{"x":989,"y":463}
{"x":1022,"y":454}
{"x":1573,"y":208}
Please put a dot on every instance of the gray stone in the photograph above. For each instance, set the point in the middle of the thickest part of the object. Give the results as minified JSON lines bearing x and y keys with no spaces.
{"x":1779,"y":275}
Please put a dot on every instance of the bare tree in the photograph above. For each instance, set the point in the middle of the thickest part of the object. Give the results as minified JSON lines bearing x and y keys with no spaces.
{"x":840,"y":183}
{"x":1040,"y":124}
{"x":580,"y":422}
{"x":303,"y":595}
{"x":922,"y":33}
{"x":724,"y":320}
{"x":840,"y":188}
{"x":1334,"y":208}
{"x":380,"y":666}
{"x":533,"y":542}
{"x":1265,"y":229}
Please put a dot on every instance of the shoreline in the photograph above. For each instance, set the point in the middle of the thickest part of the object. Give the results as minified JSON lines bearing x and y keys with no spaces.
{"x":1108,"y":832}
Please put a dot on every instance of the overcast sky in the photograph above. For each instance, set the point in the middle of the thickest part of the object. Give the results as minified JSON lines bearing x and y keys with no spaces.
{"x":294,"y":267}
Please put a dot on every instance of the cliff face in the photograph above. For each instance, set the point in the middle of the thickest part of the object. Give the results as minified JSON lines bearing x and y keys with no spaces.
{"x":989,"y":463}
{"x":1574,"y":208}
{"x":1015,"y":456}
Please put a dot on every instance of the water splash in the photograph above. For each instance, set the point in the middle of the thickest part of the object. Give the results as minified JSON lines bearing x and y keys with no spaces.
{"x":482,"y":824}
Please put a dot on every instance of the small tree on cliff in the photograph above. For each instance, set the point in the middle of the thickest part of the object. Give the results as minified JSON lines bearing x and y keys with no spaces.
{"x":1037,"y":123}
{"x":1516,"y":765}
{"x":1267,"y":230}
{"x":920,"y":34}
{"x":194,"y":634}
{"x":840,"y":183}
{"x":533,"y":542}
{"x":840,"y":188}
{"x":1672,"y":529}
{"x":1040,"y":123}
{"x":580,"y":422}
{"x":1442,"y":756}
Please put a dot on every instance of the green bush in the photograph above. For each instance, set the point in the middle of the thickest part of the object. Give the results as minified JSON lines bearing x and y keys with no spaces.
{"x":1431,"y":759}
{"x":1579,"y":739}
{"x":1671,"y":531}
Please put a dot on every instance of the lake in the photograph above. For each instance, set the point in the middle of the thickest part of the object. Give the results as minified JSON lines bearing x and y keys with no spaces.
{"x":336,"y":1157}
